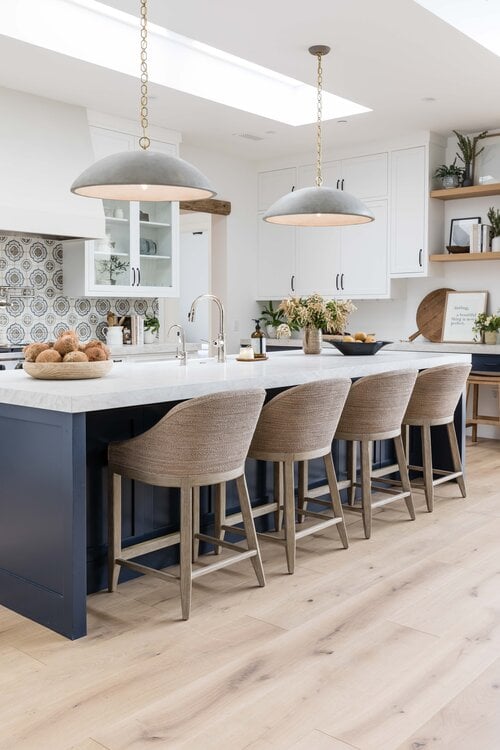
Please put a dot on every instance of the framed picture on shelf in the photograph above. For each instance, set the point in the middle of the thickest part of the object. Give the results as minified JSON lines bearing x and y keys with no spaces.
{"x":486,"y":167}
{"x":461,"y":310}
{"x":460,"y":231}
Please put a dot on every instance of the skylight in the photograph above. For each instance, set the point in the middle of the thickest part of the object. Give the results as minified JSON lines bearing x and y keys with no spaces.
{"x":96,"y":33}
{"x":477,"y":19}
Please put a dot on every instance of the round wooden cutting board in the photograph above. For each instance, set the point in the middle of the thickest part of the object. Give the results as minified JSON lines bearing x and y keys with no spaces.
{"x":430,"y":315}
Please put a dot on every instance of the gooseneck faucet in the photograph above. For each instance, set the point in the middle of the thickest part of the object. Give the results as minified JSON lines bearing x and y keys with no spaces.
{"x":221,"y":337}
{"x":181,"y":344}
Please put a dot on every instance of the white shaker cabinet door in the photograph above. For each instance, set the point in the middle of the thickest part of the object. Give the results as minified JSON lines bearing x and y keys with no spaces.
{"x":365,"y":176}
{"x":365,"y":266}
{"x":408,"y":212}
{"x":274,"y":184}
{"x":318,"y":260}
{"x":106,"y":142}
{"x":276,"y":260}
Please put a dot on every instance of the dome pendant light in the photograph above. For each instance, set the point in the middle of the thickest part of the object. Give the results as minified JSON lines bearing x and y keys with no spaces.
{"x":318,"y":206}
{"x":143,"y":175}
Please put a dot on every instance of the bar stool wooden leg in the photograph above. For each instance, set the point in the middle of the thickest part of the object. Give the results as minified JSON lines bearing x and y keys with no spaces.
{"x":475,"y":409}
{"x":249,"y":526}
{"x":335,"y":496}
{"x":186,"y":549}
{"x":427,"y":467}
{"x":366,"y":486}
{"x":196,"y":522}
{"x":219,"y":514}
{"x":278,"y":494}
{"x":351,"y":471}
{"x":303,"y":485}
{"x":114,"y":528}
{"x":289,"y":510}
{"x":403,"y":473}
{"x":455,"y":457}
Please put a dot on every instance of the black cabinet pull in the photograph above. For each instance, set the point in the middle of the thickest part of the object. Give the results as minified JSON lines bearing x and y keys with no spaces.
{"x":337,"y":280}
{"x":342,"y":281}
{"x":293,"y":188}
{"x":292,"y":283}
{"x":338,"y":183}
{"x":420,"y":257}
{"x":133,"y":282}
{"x":138,"y":276}
{"x":342,"y":184}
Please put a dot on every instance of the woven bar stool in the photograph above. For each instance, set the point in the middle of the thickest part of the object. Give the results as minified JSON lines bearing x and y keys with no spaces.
{"x":374,"y":411}
{"x":200,"y":442}
{"x":434,"y":400}
{"x":297,"y":425}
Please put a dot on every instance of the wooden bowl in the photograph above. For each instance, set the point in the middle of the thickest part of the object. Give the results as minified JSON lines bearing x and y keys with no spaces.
{"x":67,"y":370}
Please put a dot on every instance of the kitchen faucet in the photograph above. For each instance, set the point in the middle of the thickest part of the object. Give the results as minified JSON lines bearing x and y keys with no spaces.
{"x":221,"y":337}
{"x":181,"y":344}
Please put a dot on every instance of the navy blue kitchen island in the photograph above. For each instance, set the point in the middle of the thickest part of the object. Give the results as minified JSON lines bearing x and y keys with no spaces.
{"x":53,"y":448}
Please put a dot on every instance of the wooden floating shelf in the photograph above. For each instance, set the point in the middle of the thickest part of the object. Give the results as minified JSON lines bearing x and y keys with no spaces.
{"x":462,"y":257}
{"x":475,"y":191}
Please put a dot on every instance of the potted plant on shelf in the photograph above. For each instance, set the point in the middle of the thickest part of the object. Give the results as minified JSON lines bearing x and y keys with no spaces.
{"x":113,"y":268}
{"x":272,"y":317}
{"x":487,"y":327}
{"x":449,"y":175}
{"x":151,"y":328}
{"x":467,"y":147}
{"x":494,"y":219}
{"x":315,"y":314}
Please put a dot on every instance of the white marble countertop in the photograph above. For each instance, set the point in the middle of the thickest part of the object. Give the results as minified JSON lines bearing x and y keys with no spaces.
{"x":428,"y":346}
{"x":155,"y":382}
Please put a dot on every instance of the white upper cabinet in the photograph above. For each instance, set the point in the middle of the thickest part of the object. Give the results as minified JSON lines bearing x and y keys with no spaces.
{"x":106,"y":142}
{"x":276,"y":260}
{"x":365,"y":257}
{"x":409,"y":198}
{"x":331,"y":175}
{"x":275,"y":184}
{"x":365,"y":176}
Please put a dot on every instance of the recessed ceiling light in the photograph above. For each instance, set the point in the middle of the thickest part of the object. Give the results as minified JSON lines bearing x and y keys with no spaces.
{"x":176,"y":62}
{"x":477,"y":19}
{"x":341,"y":122}
{"x":428,"y":99}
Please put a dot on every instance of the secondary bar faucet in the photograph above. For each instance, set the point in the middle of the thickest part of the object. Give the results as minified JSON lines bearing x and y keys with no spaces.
{"x":181,"y":344}
{"x":221,"y":337}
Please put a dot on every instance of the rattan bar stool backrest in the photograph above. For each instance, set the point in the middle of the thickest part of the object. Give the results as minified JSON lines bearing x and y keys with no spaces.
{"x":202,"y":436}
{"x":301,"y":419}
{"x":376,"y":404}
{"x":436,"y":394}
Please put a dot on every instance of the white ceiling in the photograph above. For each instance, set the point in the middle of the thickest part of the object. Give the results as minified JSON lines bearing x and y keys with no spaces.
{"x":387,"y":54}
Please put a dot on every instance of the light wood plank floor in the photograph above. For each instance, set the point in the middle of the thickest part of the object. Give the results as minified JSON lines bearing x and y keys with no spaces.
{"x":393,"y":644}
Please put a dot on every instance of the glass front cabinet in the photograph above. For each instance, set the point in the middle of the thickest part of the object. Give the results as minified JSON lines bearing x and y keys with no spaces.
{"x":137,"y":258}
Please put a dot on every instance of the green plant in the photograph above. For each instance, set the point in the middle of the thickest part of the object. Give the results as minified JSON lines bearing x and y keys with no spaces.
{"x":485,"y":322}
{"x":328,"y":315}
{"x":152,"y":324}
{"x":272,"y":316}
{"x":113,"y":267}
{"x":467,"y":146}
{"x":448,"y":171}
{"x":494,"y":219}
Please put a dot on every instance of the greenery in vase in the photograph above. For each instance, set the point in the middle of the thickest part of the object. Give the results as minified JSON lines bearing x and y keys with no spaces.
{"x":494,"y":219}
{"x":113,"y":267}
{"x":486,"y":323}
{"x":152,"y":324}
{"x":329,"y":316}
{"x":448,"y":171}
{"x":275,"y":317}
{"x":467,"y":147}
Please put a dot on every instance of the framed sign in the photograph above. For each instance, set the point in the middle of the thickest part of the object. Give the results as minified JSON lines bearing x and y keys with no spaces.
{"x":460,"y":231}
{"x":461,"y":310}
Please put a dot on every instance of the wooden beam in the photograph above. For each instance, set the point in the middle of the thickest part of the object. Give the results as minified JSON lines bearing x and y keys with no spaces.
{"x":209,"y":206}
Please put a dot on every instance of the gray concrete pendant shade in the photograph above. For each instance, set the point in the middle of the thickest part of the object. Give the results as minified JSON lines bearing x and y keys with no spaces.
{"x":318,"y":207}
{"x":143,"y":175}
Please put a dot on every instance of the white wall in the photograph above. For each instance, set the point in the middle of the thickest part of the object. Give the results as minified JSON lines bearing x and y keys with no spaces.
{"x":234,"y":238}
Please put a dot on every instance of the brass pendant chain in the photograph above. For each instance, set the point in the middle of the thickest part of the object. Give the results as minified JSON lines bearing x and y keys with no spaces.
{"x":319,"y":175}
{"x":144,"y":141}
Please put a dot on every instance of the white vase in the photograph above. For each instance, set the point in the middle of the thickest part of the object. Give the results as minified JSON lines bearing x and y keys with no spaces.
{"x":495,"y":244}
{"x":149,"y":337}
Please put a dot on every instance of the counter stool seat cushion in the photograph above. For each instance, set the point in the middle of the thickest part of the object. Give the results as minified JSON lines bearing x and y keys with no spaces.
{"x":203,"y":441}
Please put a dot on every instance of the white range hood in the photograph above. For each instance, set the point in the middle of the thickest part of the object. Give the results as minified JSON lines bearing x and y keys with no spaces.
{"x":44,"y":145}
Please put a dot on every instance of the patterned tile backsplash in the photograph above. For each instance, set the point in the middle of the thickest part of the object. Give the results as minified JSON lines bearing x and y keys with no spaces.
{"x":38,"y":263}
